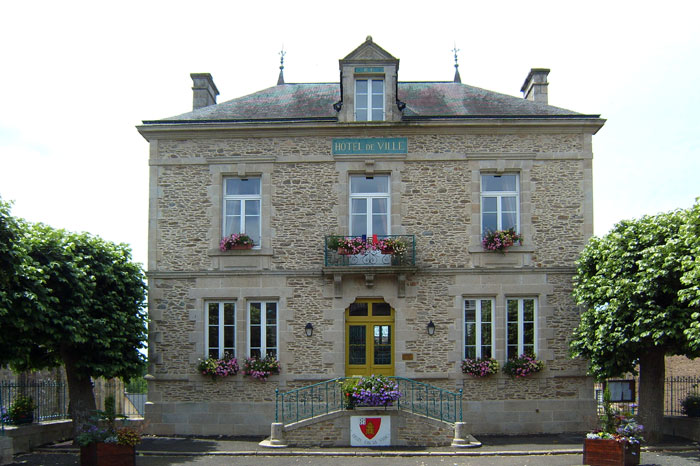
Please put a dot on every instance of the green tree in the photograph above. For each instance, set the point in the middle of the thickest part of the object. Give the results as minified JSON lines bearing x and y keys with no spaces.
{"x":629,"y":282}
{"x":690,"y":280}
{"x":73,"y":300}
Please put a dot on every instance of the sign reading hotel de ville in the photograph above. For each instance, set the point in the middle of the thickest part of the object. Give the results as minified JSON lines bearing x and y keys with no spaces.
{"x":370,"y":431}
{"x":365,"y":146}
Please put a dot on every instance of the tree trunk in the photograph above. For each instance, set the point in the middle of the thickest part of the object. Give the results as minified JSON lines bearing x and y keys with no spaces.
{"x":652,"y":371}
{"x":82,"y":398}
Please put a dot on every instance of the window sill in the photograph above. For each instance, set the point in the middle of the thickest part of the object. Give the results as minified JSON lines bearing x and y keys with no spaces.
{"x":514,"y":256}
{"x":240,"y":252}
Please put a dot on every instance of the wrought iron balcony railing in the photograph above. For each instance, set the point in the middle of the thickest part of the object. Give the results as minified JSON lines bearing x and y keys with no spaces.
{"x":387,"y":251}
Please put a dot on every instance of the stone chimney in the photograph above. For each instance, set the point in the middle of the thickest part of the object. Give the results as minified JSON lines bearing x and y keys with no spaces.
{"x":204,"y":90}
{"x":535,"y":85}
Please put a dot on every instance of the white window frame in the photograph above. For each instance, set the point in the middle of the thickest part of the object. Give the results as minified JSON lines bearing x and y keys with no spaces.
{"x":221,"y":325}
{"x":370,"y":99}
{"x":369,"y":197}
{"x":499,"y":195}
{"x":263,"y":328}
{"x":521,"y":325}
{"x":478,"y":322}
{"x":242,"y":198}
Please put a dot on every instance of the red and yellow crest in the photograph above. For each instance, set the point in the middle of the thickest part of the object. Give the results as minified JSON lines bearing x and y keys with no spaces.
{"x":370,"y":426}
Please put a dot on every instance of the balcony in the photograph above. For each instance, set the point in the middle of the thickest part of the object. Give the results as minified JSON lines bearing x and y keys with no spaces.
{"x":370,"y":256}
{"x":376,"y":251}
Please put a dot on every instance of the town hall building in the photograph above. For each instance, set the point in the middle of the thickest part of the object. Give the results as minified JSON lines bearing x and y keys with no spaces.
{"x":306,"y":169}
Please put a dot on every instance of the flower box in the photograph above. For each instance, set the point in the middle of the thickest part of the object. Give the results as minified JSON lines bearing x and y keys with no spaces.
{"x":389,"y":407}
{"x":107,"y":454}
{"x":24,"y":419}
{"x":608,"y":452}
{"x":236,"y":241}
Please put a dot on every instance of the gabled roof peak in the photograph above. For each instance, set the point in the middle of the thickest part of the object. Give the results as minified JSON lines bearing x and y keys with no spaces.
{"x":369,"y":51}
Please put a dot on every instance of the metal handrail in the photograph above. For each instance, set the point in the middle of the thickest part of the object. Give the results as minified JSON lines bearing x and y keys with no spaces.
{"x":371,"y":255}
{"x":326,"y":397}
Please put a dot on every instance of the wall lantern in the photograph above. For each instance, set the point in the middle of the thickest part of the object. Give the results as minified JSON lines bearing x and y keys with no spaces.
{"x":431,"y":328}
{"x":309,"y":329}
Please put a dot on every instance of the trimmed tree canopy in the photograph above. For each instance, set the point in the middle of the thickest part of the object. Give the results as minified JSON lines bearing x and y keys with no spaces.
{"x":630,"y":283}
{"x":69,"y":299}
{"x":639,"y":286}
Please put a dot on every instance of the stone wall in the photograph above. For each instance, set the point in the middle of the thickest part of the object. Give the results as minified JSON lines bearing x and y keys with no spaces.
{"x":27,"y":437}
{"x":682,"y":426}
{"x":435,"y":195}
{"x":6,"y":450}
{"x":334,"y":430}
{"x":421,"y":144}
{"x":680,"y":366}
{"x":557,"y":212}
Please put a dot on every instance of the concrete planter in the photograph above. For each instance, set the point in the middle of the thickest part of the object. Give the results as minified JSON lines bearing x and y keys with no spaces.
{"x":23,"y":419}
{"x":604,"y":452}
{"x":107,"y":454}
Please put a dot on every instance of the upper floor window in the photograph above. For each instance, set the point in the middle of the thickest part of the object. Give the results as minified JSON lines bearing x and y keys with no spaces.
{"x":220,"y":336}
{"x":242,"y":207}
{"x":521,"y":329}
{"x":500,"y":203}
{"x":478,"y":328}
{"x":369,"y":100}
{"x":369,"y":205}
{"x":262,"y":329}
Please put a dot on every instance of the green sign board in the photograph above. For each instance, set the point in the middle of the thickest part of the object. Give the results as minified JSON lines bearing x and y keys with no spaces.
{"x":363,"y":146}
{"x":369,"y":69}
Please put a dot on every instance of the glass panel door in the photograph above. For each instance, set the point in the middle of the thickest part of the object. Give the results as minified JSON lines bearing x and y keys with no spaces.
{"x":357,"y":347}
{"x":382,"y":345}
{"x":369,"y":338}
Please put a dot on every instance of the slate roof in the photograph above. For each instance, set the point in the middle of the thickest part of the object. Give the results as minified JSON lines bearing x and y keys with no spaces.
{"x":424,"y":100}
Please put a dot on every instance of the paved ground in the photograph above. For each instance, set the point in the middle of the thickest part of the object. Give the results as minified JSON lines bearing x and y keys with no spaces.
{"x":549,"y":450}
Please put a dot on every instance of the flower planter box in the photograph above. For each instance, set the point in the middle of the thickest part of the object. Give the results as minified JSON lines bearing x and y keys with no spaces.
{"x":377,"y":408}
{"x":236,"y":247}
{"x":22,"y":420}
{"x":604,"y":452}
{"x":107,"y":454}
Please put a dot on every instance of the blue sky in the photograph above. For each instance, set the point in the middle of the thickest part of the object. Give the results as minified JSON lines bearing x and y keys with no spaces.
{"x":79,"y":76}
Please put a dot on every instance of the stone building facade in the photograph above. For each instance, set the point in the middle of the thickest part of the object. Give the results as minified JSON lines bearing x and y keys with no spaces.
{"x":433,"y":162}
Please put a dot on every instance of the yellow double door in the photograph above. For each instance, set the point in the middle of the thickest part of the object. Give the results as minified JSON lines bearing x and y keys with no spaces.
{"x":369,"y":338}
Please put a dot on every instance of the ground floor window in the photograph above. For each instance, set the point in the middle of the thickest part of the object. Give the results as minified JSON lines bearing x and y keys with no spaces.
{"x":262,"y":329}
{"x":521,"y":331}
{"x":478,"y":328}
{"x":220,"y":336}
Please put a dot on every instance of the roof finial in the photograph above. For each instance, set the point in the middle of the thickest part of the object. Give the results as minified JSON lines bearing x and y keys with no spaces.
{"x":457,"y":79}
{"x":282,"y":53}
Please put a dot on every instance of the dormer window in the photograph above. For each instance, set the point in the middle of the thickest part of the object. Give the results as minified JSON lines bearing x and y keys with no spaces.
{"x":369,"y":99}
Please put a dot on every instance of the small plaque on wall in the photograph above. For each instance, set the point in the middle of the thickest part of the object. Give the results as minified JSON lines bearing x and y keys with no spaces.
{"x":367,"y":146}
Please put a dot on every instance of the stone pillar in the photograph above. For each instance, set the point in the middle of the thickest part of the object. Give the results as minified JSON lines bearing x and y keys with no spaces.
{"x":462,"y":439}
{"x":276,"y":439}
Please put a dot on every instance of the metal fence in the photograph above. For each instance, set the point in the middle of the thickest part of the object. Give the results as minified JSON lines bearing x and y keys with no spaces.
{"x":51,"y":398}
{"x":675,"y":391}
{"x":325,"y":397}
